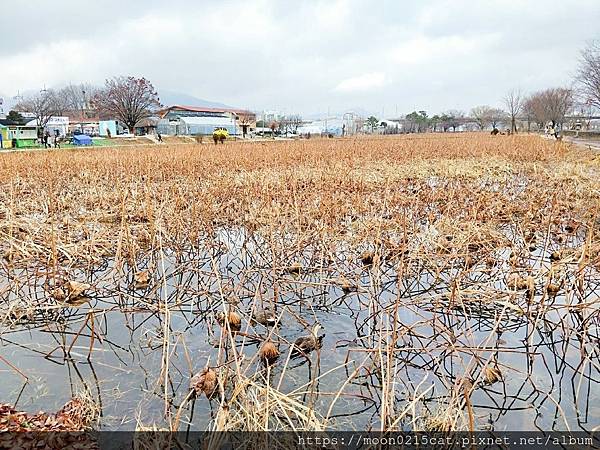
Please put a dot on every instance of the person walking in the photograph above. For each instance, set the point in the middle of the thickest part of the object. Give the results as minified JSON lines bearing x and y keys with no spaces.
{"x":46,"y":139}
{"x":56,"y":140}
{"x":159,"y":137}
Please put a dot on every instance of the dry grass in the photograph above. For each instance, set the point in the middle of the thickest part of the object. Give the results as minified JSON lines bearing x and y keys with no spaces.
{"x":480,"y":217}
{"x":81,"y":204}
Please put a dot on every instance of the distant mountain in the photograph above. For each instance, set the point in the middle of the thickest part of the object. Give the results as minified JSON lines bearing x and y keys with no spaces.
{"x":168,"y":98}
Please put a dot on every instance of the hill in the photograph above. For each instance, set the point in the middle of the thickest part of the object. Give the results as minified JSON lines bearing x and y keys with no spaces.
{"x":168,"y":97}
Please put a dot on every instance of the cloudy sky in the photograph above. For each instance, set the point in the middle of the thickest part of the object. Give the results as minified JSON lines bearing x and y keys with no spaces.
{"x":383,"y":56}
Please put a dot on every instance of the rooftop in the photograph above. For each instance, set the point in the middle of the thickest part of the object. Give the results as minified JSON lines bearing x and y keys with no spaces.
{"x":164,"y":111}
{"x":207,"y":120}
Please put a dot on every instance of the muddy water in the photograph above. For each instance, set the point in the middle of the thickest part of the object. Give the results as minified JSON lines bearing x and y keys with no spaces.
{"x":548,"y":362}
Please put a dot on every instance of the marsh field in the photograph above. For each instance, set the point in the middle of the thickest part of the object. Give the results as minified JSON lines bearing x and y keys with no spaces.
{"x":454,"y":280}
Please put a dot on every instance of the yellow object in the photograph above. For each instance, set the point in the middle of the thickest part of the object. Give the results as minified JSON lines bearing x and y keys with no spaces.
{"x":221,"y":132}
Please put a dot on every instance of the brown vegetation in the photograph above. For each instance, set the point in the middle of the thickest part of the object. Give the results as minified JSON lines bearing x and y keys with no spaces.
{"x":500,"y":231}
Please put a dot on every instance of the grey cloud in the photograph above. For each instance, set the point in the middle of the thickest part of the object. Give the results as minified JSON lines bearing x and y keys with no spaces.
{"x":435,"y":54}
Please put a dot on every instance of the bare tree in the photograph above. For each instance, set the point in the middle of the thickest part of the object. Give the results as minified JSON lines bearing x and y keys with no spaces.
{"x":282,"y":125}
{"x":245,"y":120}
{"x":528,"y":111}
{"x":535,"y":110}
{"x":43,"y":105}
{"x":497,"y":115}
{"x":410,"y":122}
{"x":557,"y":103}
{"x":295,"y":121}
{"x":455,"y":118}
{"x":128,"y":99}
{"x":445,"y":121}
{"x":290,"y":123}
{"x":76,"y":100}
{"x":588,"y":76}
{"x":514,"y":103}
{"x":549,"y":105}
{"x":77,"y":97}
{"x":481,"y":115}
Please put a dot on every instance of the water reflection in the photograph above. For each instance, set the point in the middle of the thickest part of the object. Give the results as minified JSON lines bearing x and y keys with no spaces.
{"x":398,"y":349}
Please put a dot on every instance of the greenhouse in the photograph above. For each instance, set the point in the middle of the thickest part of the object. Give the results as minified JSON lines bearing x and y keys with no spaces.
{"x":318,"y":127}
{"x":196,"y":125}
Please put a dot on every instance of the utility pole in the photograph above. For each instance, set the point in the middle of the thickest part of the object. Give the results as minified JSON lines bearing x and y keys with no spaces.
{"x":82,"y":109}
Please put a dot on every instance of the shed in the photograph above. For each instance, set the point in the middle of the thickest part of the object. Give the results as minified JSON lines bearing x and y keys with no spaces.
{"x":82,"y":139}
{"x":146,"y":126}
{"x":14,"y":135}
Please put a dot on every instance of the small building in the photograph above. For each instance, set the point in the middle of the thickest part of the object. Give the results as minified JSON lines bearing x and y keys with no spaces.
{"x":146,"y":126}
{"x":325,"y":127}
{"x":243,"y":121}
{"x":263,"y":131}
{"x":56,"y":124}
{"x":17,"y":136}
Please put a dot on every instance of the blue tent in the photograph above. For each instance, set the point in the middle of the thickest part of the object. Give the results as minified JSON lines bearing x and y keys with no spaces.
{"x":82,"y":139}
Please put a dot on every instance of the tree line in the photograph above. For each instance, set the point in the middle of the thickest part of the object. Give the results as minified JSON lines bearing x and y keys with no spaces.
{"x":127,"y":99}
{"x":131,"y":99}
{"x":540,"y":108}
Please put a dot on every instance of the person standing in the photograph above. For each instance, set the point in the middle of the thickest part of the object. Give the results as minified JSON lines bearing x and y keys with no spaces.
{"x":46,"y":139}
{"x":56,"y":141}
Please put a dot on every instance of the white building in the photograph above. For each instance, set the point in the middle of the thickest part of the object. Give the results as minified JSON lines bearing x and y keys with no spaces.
{"x":337,"y":127}
{"x":56,"y":123}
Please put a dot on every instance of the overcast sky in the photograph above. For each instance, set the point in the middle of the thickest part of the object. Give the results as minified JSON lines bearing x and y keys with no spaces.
{"x":303,"y":56}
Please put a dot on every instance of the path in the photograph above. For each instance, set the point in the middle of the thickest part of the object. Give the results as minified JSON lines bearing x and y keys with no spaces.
{"x":592,"y":144}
